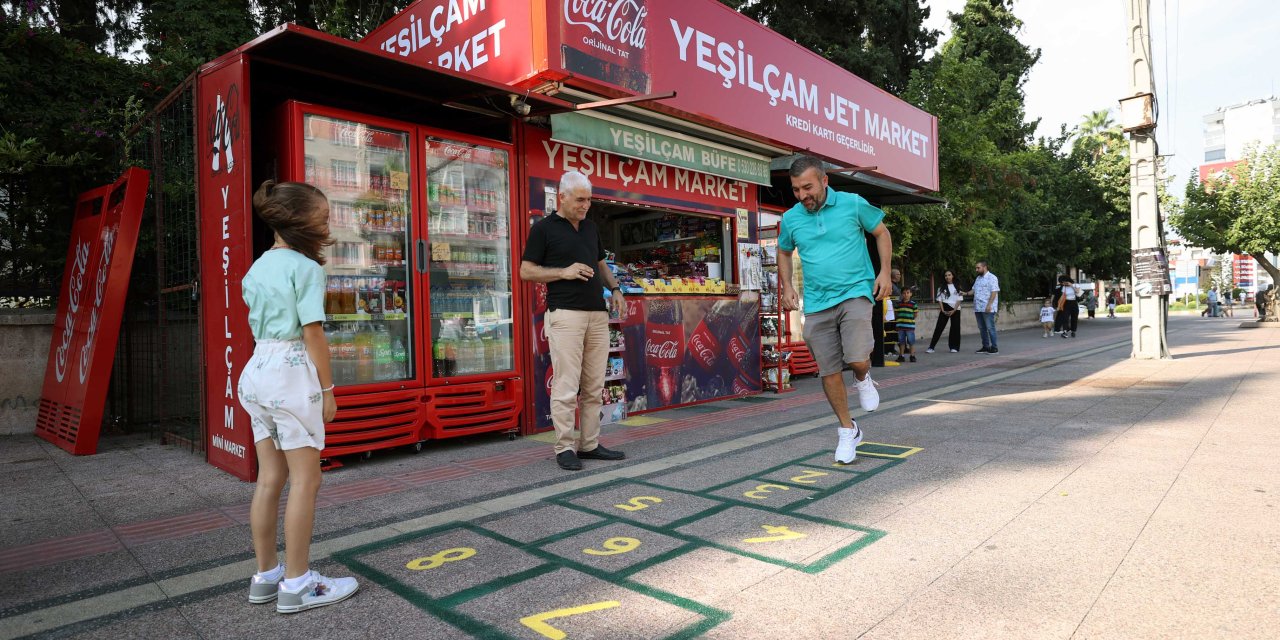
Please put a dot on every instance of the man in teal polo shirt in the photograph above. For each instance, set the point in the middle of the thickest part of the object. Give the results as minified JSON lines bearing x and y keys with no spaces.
{"x":840,"y":286}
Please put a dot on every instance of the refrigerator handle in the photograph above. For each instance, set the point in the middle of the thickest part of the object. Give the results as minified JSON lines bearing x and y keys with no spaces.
{"x":422,"y":256}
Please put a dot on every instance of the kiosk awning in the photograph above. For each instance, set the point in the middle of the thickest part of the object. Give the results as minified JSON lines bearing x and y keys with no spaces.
{"x":876,"y":190}
{"x":318,"y":53}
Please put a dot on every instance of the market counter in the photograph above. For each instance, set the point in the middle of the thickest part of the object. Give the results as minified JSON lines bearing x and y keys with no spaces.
{"x":673,"y":349}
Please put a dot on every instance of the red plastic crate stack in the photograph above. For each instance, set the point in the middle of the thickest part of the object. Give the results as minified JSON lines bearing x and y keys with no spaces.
{"x":802,"y":362}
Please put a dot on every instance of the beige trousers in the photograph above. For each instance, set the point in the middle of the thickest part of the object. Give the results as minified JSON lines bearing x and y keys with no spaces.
{"x":579,"y":342}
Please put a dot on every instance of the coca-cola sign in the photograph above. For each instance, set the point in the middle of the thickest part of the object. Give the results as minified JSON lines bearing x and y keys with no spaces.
{"x":660,"y":351}
{"x":620,"y":22}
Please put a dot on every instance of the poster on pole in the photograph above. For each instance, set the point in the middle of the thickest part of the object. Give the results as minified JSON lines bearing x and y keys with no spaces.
{"x":1151,"y":272}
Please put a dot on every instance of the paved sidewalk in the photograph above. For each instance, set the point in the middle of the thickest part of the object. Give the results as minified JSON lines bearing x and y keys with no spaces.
{"x":1056,"y":490}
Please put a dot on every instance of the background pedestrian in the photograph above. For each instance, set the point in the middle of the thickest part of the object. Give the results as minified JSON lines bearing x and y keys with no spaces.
{"x":948,"y":297}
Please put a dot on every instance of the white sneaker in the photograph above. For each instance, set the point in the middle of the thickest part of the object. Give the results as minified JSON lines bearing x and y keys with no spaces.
{"x":955,"y":351}
{"x":850,"y":438}
{"x":929,"y":350}
{"x":318,"y":592}
{"x":263,"y":590}
{"x":868,"y":397}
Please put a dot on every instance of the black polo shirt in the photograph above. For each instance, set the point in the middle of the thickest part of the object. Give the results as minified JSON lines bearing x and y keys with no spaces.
{"x":554,"y":243}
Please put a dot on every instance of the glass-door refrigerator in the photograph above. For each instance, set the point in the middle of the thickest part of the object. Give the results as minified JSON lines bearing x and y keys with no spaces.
{"x":474,"y":384}
{"x":367,"y":169}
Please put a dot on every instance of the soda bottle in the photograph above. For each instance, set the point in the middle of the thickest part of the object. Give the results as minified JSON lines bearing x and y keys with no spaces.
{"x":744,"y":350}
{"x":344,"y":366}
{"x":437,"y":358}
{"x":450,"y":358}
{"x":383,"y":366}
{"x":399,"y":359}
{"x":332,"y":293}
{"x":663,"y":346}
{"x":365,"y":356}
{"x":348,"y":296}
{"x":706,"y":340}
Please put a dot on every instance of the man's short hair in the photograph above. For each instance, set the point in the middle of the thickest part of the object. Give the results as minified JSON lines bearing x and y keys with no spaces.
{"x":982,"y":262}
{"x":573,"y":180}
{"x":805,"y":163}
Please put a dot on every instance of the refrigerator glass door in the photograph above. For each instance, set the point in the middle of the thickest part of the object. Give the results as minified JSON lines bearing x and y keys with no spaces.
{"x":470,"y":260}
{"x":364,"y":171}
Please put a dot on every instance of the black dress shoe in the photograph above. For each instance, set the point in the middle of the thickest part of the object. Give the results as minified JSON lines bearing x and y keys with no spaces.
{"x":601,"y":453}
{"x":568,"y":460}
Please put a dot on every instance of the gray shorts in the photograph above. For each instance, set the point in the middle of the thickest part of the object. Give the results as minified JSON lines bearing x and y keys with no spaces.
{"x":840,"y":334}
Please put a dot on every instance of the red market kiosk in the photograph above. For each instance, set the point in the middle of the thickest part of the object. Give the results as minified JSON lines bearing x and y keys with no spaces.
{"x":442,"y":136}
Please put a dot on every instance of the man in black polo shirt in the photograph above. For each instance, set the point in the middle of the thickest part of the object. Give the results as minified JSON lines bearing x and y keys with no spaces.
{"x":564,"y":251}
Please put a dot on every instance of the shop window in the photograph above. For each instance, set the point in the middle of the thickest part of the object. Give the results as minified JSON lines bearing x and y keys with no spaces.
{"x":669,"y":252}
{"x":1215,"y":154}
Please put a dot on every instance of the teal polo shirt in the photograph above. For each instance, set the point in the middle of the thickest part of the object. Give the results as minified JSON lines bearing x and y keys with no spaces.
{"x":832,"y":248}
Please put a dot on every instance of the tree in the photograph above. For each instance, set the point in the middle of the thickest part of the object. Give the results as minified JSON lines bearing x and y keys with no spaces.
{"x":1237,"y":212}
{"x":974,"y":86}
{"x":881,"y":41}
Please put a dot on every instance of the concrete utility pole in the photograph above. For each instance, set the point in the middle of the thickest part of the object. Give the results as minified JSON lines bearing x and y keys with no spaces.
{"x":1150,"y":263}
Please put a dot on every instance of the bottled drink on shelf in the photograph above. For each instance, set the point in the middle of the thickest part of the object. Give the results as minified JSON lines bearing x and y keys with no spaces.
{"x":332,"y":293}
{"x":399,"y":359}
{"x":383,"y":366}
{"x":344,"y":368}
{"x":348,"y":296}
{"x":365,"y":357}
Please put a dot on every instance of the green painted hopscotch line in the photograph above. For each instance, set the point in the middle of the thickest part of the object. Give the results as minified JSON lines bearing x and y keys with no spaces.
{"x":445,"y":607}
{"x":869,"y":536}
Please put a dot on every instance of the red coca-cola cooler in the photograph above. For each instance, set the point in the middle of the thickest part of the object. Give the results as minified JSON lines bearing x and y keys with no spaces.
{"x":419,"y":301}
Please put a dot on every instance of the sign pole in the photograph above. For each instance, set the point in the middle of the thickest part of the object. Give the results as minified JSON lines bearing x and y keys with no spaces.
{"x":1150,"y":265}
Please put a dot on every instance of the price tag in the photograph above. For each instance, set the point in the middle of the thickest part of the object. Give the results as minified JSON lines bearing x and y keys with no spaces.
{"x":399,"y":180}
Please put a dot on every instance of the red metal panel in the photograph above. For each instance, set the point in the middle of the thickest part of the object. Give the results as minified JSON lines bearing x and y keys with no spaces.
{"x":103,"y":238}
{"x":465,"y":409}
{"x":226,"y":251}
{"x":492,"y":40}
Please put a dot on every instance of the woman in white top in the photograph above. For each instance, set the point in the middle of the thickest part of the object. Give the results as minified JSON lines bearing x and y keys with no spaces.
{"x":1069,"y":307}
{"x":948,"y":298}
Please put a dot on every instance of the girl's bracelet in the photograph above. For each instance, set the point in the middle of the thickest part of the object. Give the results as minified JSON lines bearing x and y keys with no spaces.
{"x":328,"y":388}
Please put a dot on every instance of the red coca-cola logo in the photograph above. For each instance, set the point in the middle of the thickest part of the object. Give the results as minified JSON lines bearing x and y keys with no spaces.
{"x":743,"y":385}
{"x":738,"y":351}
{"x":550,"y":377}
{"x":704,"y":346}
{"x":621,"y":21}
{"x":663,"y":344}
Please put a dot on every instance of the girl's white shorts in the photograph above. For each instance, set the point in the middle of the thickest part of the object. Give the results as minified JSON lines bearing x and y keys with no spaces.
{"x":280,"y":390}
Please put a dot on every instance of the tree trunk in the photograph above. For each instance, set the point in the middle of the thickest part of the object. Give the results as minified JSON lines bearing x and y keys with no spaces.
{"x":1273,"y":296}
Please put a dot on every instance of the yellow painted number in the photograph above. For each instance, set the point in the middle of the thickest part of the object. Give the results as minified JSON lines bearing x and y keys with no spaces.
{"x":448,"y":555}
{"x":614,"y":546}
{"x":758,"y":492}
{"x":779,"y":534}
{"x":807,"y":477}
{"x":638,"y":503}
{"x":538,"y":621}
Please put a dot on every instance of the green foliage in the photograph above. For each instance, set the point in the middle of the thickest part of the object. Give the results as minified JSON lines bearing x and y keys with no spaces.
{"x":64,"y":110}
{"x":881,"y":41}
{"x":1238,"y":212}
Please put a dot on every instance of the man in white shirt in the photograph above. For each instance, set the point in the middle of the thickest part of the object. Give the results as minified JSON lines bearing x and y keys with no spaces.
{"x":986,"y":293}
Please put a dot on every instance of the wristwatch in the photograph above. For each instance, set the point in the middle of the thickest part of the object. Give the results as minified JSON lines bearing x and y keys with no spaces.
{"x":618,"y":289}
